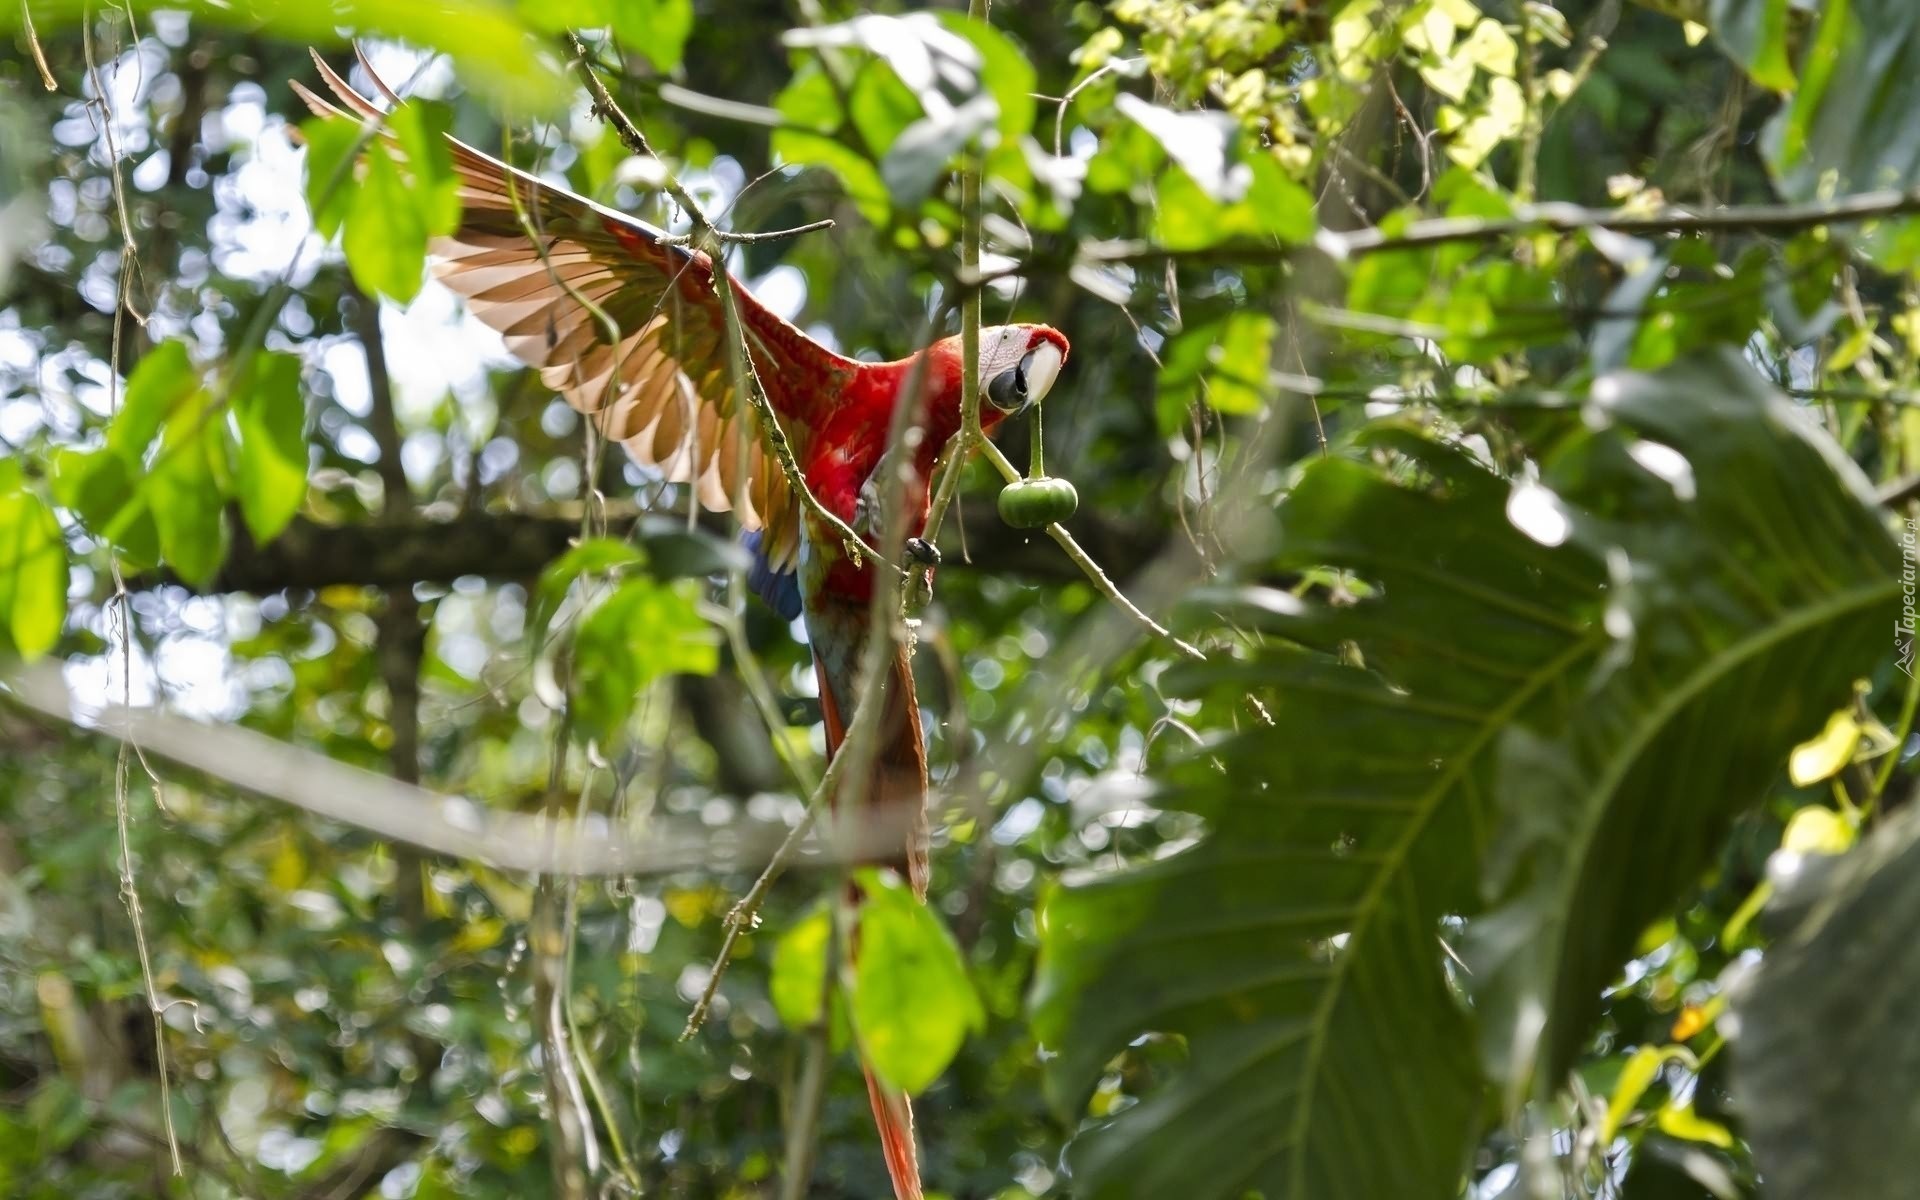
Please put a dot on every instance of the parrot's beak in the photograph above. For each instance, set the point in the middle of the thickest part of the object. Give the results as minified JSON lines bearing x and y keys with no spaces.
{"x":1013,"y":391}
{"x":1043,"y":367}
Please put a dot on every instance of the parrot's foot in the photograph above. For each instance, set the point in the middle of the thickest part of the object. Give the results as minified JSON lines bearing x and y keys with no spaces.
{"x":923,"y":552}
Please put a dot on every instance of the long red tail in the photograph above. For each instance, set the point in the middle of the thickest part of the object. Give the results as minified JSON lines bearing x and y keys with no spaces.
{"x":893,"y":1116}
{"x":896,"y":793}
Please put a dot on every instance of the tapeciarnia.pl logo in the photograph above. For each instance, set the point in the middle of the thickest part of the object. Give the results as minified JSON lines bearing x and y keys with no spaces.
{"x":1903,"y":629}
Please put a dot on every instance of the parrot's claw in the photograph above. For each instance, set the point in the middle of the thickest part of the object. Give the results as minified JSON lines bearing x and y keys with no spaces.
{"x":923,"y":552}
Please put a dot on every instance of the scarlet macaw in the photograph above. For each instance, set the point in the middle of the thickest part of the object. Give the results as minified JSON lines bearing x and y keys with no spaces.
{"x":528,"y":257}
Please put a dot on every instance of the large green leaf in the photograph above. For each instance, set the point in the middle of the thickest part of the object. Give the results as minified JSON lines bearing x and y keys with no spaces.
{"x":1751,"y":583}
{"x":1755,"y":33}
{"x":1571,"y":682}
{"x":1826,"y":1054}
{"x":494,"y":45}
{"x":1849,"y":127}
{"x":913,"y":1004}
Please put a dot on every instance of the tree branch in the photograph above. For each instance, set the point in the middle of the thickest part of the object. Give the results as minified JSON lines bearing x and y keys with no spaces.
{"x":1542,"y":218}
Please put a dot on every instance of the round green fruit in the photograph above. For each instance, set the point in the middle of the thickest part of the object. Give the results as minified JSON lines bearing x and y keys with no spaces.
{"x":1037,"y":503}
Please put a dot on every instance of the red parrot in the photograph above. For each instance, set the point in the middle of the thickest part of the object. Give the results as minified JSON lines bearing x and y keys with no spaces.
{"x":528,"y":257}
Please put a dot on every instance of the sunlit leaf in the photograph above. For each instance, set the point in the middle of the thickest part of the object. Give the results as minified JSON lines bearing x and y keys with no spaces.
{"x":186,"y":491}
{"x":1817,"y":830}
{"x":495,"y":46}
{"x":799,"y":974}
{"x":1823,"y":756}
{"x":1641,"y":1069}
{"x":164,"y":380}
{"x":1273,"y":206}
{"x":642,"y":632}
{"x":385,"y":236}
{"x":913,"y":1003}
{"x":657,"y":29}
{"x":1005,"y":73}
{"x":1755,"y":33}
{"x":1198,"y":142}
{"x":330,"y":142}
{"x":33,"y":567}
{"x":270,"y":461}
{"x":420,"y":128}
{"x":591,"y":557}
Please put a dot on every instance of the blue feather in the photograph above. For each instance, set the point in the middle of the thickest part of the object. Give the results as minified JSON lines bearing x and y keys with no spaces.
{"x":780,"y":589}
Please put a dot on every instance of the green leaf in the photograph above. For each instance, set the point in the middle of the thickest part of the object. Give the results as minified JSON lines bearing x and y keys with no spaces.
{"x":674,"y":551}
{"x":1848,"y":127}
{"x":925,"y":149}
{"x":657,"y":29}
{"x":1197,"y":142}
{"x":33,"y":567}
{"x":420,"y":127}
{"x":1735,"y":641}
{"x":798,"y":977}
{"x":186,"y":494}
{"x":881,"y":107}
{"x":812,"y":106}
{"x":331,"y":142}
{"x":1273,"y":206}
{"x":1241,"y":361}
{"x":645,"y":630}
{"x":1812,"y":1043}
{"x":591,"y":557}
{"x":1570,"y":685}
{"x":270,"y":467}
{"x":386,"y":234}
{"x":1004,"y":70}
{"x":164,"y":380}
{"x":1755,"y":33}
{"x":1226,"y":361}
{"x":913,"y":1003}
{"x":102,"y":488}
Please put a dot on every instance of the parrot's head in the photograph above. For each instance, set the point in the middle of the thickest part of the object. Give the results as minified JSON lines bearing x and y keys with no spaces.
{"x":1018,"y":363}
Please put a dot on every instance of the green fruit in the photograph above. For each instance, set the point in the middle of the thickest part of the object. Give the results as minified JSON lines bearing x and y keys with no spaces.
{"x":1037,"y":503}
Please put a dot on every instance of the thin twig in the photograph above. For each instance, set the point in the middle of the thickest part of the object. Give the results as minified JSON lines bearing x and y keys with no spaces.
{"x":1092,"y":569}
{"x":747,"y":239}
{"x":39,"y":55}
{"x":122,"y":811}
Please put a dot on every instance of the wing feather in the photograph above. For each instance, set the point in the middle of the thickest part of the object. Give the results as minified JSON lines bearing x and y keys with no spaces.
{"x":534,"y":262}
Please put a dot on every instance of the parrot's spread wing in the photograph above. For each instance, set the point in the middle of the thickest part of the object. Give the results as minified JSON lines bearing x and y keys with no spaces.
{"x":650,"y":365}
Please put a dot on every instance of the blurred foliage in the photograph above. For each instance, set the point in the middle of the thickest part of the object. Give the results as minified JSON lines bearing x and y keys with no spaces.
{"x":1532,"y":827}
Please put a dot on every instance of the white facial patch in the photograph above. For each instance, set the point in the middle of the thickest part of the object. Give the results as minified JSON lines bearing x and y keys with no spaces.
{"x":1002,"y":347}
{"x":1042,"y":371}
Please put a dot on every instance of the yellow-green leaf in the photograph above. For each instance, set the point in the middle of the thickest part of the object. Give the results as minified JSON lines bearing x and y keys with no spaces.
{"x":33,"y":567}
{"x":270,"y":468}
{"x":1817,"y":830}
{"x":798,"y":979}
{"x":1690,"y":1126}
{"x":1826,"y":754}
{"x":913,"y":1003}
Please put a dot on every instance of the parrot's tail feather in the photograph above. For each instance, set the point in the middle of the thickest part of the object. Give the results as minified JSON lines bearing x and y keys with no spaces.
{"x":894,"y":800}
{"x":896,"y":791}
{"x":894,"y":1116}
